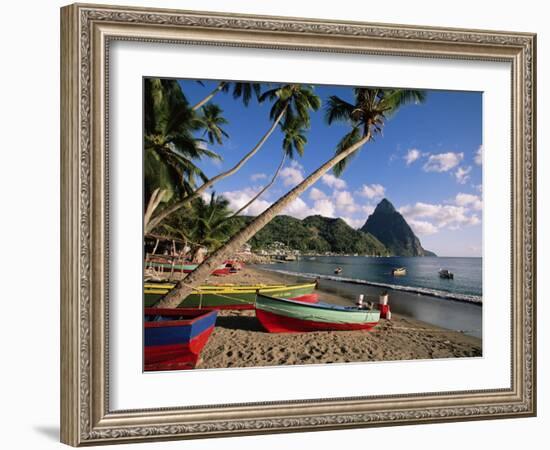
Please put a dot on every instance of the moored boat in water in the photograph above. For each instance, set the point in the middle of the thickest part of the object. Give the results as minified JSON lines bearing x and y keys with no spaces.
{"x":174,"y":338}
{"x":444,"y":273}
{"x":398,"y":271}
{"x":227,"y":296}
{"x":283,"y":315}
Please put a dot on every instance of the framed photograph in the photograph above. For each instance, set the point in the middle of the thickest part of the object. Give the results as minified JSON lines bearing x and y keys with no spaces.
{"x":280,"y":224}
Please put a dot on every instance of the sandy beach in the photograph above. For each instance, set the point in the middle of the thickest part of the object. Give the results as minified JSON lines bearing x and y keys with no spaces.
{"x":239,"y":340}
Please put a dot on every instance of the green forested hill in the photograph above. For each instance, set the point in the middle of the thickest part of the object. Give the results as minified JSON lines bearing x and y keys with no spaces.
{"x":315,"y":234}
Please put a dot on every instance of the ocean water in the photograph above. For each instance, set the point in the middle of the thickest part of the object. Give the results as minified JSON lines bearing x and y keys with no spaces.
{"x":422,"y":273}
{"x":452,"y":304}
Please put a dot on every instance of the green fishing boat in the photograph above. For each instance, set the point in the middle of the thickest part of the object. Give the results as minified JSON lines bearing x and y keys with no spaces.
{"x":226,"y":296}
{"x":281,"y":315}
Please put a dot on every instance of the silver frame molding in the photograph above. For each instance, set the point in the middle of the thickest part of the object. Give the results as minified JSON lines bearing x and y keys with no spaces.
{"x":86,"y":31}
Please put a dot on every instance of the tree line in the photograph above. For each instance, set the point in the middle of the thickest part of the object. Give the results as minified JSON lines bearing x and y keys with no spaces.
{"x":176,"y":138}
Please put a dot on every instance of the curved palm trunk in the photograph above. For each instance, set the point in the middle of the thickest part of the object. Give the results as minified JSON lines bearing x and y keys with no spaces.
{"x":206,"y":99}
{"x":265,"y":188}
{"x":197,"y":277}
{"x":153,"y":203}
{"x":155,"y":221}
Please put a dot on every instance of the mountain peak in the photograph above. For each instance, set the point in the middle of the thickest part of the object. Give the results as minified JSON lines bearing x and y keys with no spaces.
{"x":385,"y":206}
{"x":390,"y":227}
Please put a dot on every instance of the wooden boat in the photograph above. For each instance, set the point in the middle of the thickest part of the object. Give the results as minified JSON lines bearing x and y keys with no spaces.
{"x":185,"y":268}
{"x":226,"y":296}
{"x":174,"y":338}
{"x":444,"y":273}
{"x":280,"y":315}
{"x":399,"y":271}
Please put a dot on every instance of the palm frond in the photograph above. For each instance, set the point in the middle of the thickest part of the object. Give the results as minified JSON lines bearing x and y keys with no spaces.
{"x":338,"y":110}
{"x":347,"y":141}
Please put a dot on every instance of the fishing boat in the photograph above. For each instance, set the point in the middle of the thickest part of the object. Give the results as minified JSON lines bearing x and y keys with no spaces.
{"x":186,"y":268}
{"x":281,"y":315}
{"x":399,"y":271}
{"x":226,"y":296}
{"x":174,"y":338}
{"x":444,"y":273}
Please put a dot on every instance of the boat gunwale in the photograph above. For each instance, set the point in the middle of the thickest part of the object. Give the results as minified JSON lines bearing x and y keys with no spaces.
{"x":200,"y":314}
{"x":319,"y":305}
{"x":249,"y":290}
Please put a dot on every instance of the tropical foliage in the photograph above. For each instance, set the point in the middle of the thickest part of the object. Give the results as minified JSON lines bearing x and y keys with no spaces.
{"x":171,"y":149}
{"x":366,"y":116}
{"x":315,"y":234}
{"x":206,"y":223}
{"x":292,"y":104}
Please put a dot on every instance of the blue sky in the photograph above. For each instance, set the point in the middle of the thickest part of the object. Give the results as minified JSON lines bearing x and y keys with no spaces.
{"x":427,"y":163}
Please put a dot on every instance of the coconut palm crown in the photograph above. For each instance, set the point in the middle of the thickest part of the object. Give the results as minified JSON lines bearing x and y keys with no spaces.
{"x":366,"y":116}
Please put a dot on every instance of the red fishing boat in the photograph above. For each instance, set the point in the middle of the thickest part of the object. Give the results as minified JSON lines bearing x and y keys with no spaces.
{"x":174,"y":338}
{"x":279,"y":315}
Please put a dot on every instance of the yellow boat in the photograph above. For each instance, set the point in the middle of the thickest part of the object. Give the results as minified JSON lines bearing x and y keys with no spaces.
{"x":227,"y":296}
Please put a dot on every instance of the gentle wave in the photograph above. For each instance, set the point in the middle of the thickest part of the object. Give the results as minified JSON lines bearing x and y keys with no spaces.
{"x":417,"y":290}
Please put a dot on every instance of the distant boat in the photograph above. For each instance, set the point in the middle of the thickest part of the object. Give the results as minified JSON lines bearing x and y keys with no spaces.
{"x":444,"y":273}
{"x":338,"y":270}
{"x":280,"y":315}
{"x":398,"y":271}
{"x":174,"y":338}
{"x":226,"y":296}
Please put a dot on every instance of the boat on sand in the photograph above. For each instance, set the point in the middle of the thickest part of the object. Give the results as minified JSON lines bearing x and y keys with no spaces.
{"x":281,"y":315}
{"x":227,"y":296}
{"x":174,"y":338}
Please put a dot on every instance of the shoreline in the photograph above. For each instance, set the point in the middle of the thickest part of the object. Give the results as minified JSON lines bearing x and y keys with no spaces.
{"x":466,"y":298}
{"x":238,"y":339}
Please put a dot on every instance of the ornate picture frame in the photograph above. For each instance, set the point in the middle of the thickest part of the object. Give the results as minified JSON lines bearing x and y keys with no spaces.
{"x":86,"y":34}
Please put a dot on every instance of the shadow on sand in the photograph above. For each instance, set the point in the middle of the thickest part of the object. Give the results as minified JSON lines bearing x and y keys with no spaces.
{"x":246,"y":323}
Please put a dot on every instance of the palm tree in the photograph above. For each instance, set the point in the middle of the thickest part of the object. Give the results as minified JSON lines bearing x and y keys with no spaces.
{"x":240,"y":90}
{"x":292,"y":99}
{"x":170,"y":147}
{"x":295,"y":140}
{"x":206,"y":224}
{"x":212,"y":121}
{"x":368,"y":112}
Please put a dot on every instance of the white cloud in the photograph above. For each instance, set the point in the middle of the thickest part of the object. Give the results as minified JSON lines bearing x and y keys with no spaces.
{"x":422,"y":228}
{"x":299,"y":209}
{"x":258,"y":176}
{"x":333,"y":182}
{"x":462,"y":174}
{"x":412,"y":155}
{"x":372,"y":191}
{"x":354,"y":223}
{"x":324,"y":207}
{"x":368,"y":209}
{"x":292,"y":175}
{"x":345,"y":202}
{"x":479,"y":156}
{"x":442,"y":216}
{"x":316,"y":194}
{"x":473,"y":201}
{"x":443,"y":162}
{"x":237,"y":199}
